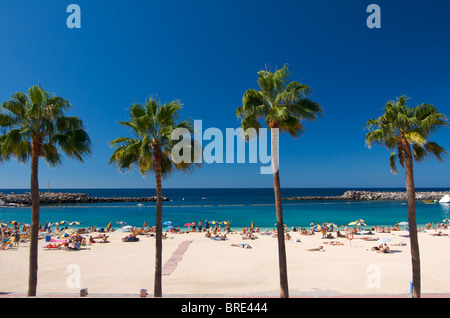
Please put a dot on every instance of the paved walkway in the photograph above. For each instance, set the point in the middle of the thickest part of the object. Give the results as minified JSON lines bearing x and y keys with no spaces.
{"x":171,"y":264}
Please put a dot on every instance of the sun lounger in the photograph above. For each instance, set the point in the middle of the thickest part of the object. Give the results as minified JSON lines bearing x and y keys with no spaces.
{"x":75,"y":247}
{"x":53,"y":246}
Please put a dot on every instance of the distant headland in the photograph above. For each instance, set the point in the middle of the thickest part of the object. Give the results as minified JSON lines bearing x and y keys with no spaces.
{"x":67,"y":198}
{"x":352,"y":195}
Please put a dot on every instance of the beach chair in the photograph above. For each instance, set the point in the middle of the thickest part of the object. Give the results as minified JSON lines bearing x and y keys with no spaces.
{"x":76,"y":247}
{"x":52,"y":246}
{"x":8,"y":243}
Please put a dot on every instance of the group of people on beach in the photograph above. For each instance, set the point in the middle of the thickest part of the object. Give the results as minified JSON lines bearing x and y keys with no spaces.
{"x":12,"y":236}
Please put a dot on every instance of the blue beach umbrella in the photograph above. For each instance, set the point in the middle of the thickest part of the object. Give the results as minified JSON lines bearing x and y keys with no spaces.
{"x":168,"y":223}
{"x":74,"y":223}
{"x":446,"y":221}
{"x":318,"y":227}
{"x":3,"y":225}
{"x":331,"y":225}
{"x":358,"y":223}
{"x":121,"y":223}
{"x":14,"y":223}
{"x":64,"y":235}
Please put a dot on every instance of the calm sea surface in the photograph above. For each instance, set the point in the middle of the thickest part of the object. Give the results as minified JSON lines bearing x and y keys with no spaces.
{"x":240,"y":206}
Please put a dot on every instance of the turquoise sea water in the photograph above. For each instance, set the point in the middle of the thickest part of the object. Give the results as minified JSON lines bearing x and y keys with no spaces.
{"x":240,"y":206}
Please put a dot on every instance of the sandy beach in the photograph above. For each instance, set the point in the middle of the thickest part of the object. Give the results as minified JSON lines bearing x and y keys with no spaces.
{"x":216,"y":268}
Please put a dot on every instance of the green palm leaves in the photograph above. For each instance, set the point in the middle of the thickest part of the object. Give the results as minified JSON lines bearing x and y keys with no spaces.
{"x":413,"y":126}
{"x":34,"y":125}
{"x":39,"y":118}
{"x":150,"y":149}
{"x":280,"y":103}
{"x":152,"y":126}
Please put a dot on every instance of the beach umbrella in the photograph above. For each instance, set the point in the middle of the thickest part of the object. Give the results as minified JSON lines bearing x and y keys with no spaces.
{"x":384,"y":240}
{"x":214,"y":222}
{"x":403,"y":223}
{"x":169,"y":227}
{"x":121,"y":223}
{"x":166,"y":223}
{"x":63,"y":222}
{"x":109,"y":225}
{"x":358,"y":223}
{"x":188,"y":224}
{"x":331,"y":225}
{"x":3,"y":225}
{"x":14,"y":223}
{"x":318,"y":227}
{"x":74,"y":223}
{"x":64,"y":235}
{"x":446,"y":221}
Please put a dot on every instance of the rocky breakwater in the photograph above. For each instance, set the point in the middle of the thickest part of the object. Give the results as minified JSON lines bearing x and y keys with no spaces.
{"x":66,"y":198}
{"x":352,"y":195}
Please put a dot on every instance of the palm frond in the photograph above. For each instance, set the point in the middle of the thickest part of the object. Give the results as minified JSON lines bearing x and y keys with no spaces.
{"x":401,"y":125}
{"x":392,"y":159}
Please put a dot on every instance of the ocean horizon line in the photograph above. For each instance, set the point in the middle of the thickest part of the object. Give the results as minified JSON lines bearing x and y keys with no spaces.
{"x":219,"y":188}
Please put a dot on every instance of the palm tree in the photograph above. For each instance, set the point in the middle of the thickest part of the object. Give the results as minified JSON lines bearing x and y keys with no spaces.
{"x":151,"y":149}
{"x":282,"y":105}
{"x":408,"y":130}
{"x":34,"y":125}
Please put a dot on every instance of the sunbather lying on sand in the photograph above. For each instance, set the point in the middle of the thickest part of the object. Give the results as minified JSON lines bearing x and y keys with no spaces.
{"x":53,"y":246}
{"x":377,"y":248}
{"x":334,"y":243}
{"x":242,"y":245}
{"x":399,"y":244}
{"x":370,"y":238}
{"x":315,"y":249}
{"x":439,"y":234}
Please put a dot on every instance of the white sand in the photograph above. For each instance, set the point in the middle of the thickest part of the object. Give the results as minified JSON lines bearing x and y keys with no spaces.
{"x":216,"y":268}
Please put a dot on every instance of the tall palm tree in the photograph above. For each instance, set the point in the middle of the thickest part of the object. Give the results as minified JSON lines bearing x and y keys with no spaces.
{"x":282,"y":105}
{"x":34,"y":125}
{"x":151,"y":150}
{"x":408,"y":130}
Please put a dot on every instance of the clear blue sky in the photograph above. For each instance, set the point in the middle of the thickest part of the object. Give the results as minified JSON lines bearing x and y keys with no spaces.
{"x":207,"y":54}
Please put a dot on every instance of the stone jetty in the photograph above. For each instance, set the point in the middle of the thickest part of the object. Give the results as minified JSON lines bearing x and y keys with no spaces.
{"x":352,"y":195}
{"x":69,"y":198}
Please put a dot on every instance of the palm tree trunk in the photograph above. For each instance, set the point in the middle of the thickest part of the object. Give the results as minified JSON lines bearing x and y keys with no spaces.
{"x":35,"y":203}
{"x":284,"y":290}
{"x":158,"y":257}
{"x":414,"y":242}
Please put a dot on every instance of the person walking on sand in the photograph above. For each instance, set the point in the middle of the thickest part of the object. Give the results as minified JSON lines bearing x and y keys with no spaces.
{"x":16,"y":238}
